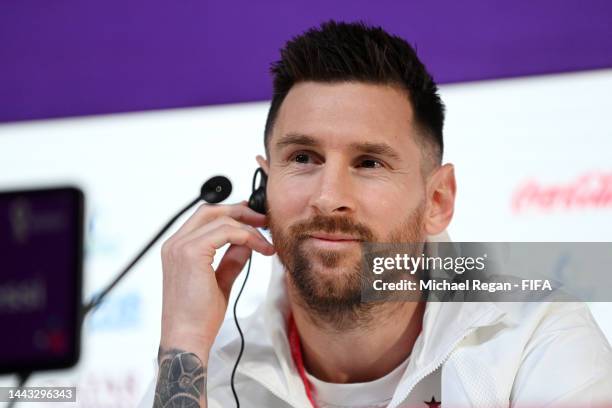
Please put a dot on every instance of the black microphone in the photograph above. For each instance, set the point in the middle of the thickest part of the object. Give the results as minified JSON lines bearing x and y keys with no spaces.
{"x":216,"y":189}
{"x":213,"y":191}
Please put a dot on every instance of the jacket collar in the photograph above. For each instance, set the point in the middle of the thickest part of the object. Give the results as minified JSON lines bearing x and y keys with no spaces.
{"x":267,"y":355}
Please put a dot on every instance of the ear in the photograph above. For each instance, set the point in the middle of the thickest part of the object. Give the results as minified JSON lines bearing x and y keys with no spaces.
{"x":263,"y":163}
{"x":441,"y":191}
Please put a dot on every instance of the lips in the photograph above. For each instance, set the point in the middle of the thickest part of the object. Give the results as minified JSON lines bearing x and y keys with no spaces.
{"x":334,"y":237}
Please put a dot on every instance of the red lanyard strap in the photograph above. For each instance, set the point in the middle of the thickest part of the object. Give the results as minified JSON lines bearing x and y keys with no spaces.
{"x":296,"y":353}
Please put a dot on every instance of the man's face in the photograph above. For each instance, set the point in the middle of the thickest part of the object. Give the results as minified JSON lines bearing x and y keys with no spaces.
{"x":343,"y":161}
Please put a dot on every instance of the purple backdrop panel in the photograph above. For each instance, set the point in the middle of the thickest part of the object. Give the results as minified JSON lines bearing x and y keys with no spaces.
{"x":68,"y":57}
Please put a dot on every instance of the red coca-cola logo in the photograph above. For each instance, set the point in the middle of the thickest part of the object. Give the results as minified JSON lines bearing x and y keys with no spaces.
{"x":589,"y":190}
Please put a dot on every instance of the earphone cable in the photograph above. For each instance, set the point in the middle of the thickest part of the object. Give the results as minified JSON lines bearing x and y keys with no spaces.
{"x":246,"y":276}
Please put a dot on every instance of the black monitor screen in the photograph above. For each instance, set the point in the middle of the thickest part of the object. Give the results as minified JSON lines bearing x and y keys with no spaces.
{"x":41,"y":257}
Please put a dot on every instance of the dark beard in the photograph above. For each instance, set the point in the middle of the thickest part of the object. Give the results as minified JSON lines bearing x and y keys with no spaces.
{"x":336,"y":300}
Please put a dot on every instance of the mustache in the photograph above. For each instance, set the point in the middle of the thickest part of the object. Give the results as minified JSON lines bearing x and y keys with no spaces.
{"x":331,"y":225}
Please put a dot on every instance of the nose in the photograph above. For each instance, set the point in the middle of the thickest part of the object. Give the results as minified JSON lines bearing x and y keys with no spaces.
{"x":334,"y":192}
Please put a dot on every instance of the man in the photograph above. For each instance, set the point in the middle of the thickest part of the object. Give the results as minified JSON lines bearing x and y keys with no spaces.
{"x":354,"y":150}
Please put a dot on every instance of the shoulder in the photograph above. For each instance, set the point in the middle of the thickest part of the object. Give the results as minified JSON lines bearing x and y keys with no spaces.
{"x":540,"y":353}
{"x":549,"y":353}
{"x":567,"y":359}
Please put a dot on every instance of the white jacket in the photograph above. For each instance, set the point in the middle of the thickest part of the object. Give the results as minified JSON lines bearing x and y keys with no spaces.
{"x":490,"y":355}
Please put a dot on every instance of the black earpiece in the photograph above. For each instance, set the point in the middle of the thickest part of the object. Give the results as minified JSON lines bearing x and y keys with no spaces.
{"x":257,"y":200}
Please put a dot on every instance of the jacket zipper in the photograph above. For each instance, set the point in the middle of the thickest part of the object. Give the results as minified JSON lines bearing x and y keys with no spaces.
{"x":434,"y":367}
{"x":439,"y":362}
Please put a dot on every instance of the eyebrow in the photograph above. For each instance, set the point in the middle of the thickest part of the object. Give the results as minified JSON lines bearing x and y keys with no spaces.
{"x":295,"y":139}
{"x":382,"y":149}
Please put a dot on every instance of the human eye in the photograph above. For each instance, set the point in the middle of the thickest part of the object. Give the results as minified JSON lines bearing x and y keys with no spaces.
{"x":301,"y":157}
{"x":371,"y":163}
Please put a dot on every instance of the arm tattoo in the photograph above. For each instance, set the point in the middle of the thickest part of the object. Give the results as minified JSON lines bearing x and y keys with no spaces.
{"x":181,"y":381}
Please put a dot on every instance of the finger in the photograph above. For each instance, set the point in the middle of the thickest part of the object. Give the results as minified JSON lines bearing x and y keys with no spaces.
{"x":204,"y":248}
{"x":230,"y":267}
{"x":202,"y":231}
{"x":207,"y":213}
{"x":238,"y":236}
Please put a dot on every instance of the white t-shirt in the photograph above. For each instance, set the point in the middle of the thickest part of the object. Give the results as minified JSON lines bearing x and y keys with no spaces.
{"x":377,"y":393}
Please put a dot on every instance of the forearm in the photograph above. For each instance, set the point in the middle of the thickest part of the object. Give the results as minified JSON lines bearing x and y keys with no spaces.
{"x":181,"y":380}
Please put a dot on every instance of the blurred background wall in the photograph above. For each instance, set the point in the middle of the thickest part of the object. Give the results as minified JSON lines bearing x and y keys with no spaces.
{"x":139,"y":102}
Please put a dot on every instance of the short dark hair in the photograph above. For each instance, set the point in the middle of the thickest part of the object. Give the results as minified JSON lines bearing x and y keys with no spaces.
{"x":341,"y":52}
